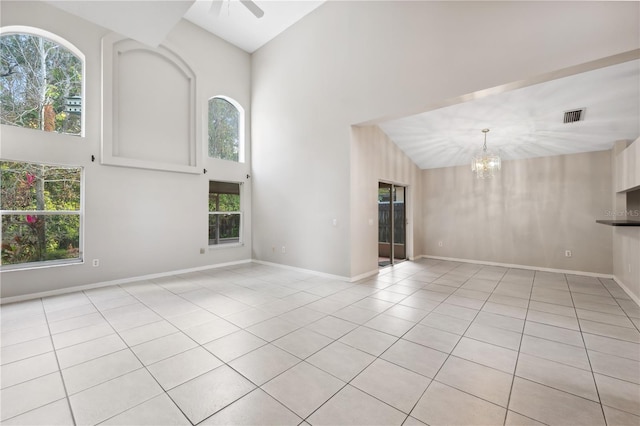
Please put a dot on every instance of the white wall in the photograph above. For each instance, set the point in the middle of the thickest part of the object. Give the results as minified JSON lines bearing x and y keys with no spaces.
{"x":529,"y":214}
{"x":351,"y":62}
{"x":137,"y":222}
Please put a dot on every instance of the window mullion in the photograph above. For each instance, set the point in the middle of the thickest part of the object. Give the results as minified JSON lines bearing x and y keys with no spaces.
{"x":40,"y":212}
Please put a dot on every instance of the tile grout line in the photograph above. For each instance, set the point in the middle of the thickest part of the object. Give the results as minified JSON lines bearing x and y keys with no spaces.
{"x":55,"y":353}
{"x":515,"y":367}
{"x":369,"y":364}
{"x":225,"y":363}
{"x":433,"y":379}
{"x":127,"y":347}
{"x":620,"y":306}
{"x":593,"y":376}
{"x":325,"y":315}
{"x":146,"y":367}
{"x":118,"y":334}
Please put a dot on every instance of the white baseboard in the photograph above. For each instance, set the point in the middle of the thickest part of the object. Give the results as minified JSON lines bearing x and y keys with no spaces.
{"x":58,"y":292}
{"x":512,"y":265}
{"x":365,"y":275}
{"x":626,"y":290}
{"x":359,"y":277}
{"x":318,"y":273}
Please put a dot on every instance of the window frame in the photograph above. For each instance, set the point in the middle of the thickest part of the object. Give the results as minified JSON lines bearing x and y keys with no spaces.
{"x":240,"y":213}
{"x":80,"y":213}
{"x":39,"y":32}
{"x":241,"y":133}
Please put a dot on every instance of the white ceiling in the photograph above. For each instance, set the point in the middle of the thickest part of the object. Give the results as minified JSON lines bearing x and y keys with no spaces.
{"x":235,"y":24}
{"x":150,"y":21}
{"x":130,"y":18}
{"x":527,"y":122}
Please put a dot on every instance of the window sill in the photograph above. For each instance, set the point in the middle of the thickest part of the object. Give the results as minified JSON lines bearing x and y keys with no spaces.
{"x":40,"y":265}
{"x":227,"y":245}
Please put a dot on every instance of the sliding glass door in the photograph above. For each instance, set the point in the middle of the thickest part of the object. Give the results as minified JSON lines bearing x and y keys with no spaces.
{"x":391,"y":224}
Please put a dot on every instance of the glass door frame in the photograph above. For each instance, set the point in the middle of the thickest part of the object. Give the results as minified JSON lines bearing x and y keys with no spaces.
{"x":393,"y":258}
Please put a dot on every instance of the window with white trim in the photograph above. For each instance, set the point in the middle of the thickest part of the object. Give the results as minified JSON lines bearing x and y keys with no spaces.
{"x":226,"y":124}
{"x":41,"y":212}
{"x":41,"y":81}
{"x":225,"y":215}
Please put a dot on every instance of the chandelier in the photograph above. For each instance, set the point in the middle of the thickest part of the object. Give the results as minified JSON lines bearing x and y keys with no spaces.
{"x":485,"y":163}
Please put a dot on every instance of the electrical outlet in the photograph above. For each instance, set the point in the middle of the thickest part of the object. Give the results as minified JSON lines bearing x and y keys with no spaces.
{"x":202,"y":251}
{"x":629,"y":267}
{"x":439,"y":243}
{"x":567,"y":253}
{"x":284,"y":249}
{"x":96,"y":262}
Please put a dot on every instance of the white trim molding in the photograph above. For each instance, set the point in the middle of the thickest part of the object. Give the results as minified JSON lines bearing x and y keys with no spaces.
{"x":30,"y":296}
{"x":318,"y":273}
{"x":626,"y":290}
{"x":515,"y":266}
{"x":307,"y":271}
{"x":127,"y":118}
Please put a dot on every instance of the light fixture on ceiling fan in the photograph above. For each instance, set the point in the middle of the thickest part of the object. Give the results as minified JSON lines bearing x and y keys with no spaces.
{"x":485,"y":163}
{"x":216,"y":6}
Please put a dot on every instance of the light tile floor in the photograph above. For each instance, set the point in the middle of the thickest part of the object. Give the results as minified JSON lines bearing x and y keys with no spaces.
{"x":426,"y":342}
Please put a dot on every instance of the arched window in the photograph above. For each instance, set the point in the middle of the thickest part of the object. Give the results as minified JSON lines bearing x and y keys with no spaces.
{"x":41,"y":79}
{"x":226,"y":124}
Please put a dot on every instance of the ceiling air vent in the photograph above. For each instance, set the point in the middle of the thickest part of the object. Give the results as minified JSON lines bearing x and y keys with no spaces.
{"x":574,"y":115}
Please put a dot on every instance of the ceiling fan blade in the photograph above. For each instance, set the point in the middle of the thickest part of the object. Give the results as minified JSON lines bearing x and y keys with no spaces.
{"x":253,"y":8}
{"x":216,"y":6}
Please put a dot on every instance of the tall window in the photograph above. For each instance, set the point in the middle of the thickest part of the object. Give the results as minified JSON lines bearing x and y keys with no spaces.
{"x":40,"y":207}
{"x":40,"y":84}
{"x":225,"y":130}
{"x":225,"y":217}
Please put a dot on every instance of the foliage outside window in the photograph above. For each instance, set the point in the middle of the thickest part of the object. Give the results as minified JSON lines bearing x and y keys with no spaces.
{"x":40,"y":84}
{"x":225,"y":217}
{"x":224,"y":130}
{"x":40,"y":207}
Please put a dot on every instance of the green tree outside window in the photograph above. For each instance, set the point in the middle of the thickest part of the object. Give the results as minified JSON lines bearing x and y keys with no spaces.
{"x":39,"y":79}
{"x":224,"y":130}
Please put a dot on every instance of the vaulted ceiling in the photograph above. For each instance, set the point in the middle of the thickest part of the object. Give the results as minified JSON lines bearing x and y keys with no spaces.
{"x":525,"y":122}
{"x":150,"y":21}
{"x":233,"y":22}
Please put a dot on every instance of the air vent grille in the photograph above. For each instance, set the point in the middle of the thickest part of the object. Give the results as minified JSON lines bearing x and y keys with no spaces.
{"x":574,"y":115}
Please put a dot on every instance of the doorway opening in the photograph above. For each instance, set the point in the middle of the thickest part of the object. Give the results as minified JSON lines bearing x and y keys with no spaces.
{"x":392,"y":224}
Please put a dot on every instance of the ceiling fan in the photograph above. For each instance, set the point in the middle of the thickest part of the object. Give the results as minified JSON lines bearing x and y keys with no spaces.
{"x":216,"y":6}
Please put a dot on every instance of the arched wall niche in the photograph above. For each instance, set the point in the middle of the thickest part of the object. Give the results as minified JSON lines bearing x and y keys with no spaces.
{"x":149,"y":107}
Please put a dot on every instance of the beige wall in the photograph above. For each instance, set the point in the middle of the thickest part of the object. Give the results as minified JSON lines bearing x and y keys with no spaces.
{"x":528,"y":215}
{"x":375,"y":158}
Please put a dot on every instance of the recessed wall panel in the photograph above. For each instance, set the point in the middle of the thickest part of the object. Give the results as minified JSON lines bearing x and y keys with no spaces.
{"x":149,"y":117}
{"x":153,"y":109}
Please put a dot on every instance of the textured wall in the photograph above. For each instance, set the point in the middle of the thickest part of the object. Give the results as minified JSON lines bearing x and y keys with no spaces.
{"x":375,"y":158}
{"x":528,"y":215}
